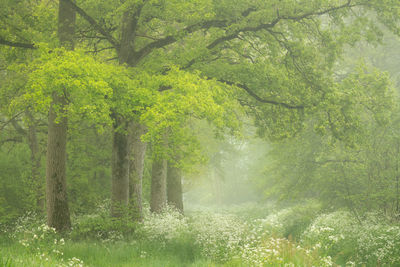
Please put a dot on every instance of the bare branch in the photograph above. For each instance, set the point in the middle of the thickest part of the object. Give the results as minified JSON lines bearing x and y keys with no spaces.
{"x":10,"y":120}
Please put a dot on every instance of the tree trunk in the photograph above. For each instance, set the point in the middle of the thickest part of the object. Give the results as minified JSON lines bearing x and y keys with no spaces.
{"x":138,"y":150}
{"x":56,"y":185}
{"x":120,"y":149}
{"x":174,"y":187}
{"x":37,"y":182}
{"x":158,"y":185}
{"x":120,"y":169}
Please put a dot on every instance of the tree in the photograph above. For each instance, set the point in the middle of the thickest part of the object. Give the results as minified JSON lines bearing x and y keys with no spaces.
{"x":136,"y":169}
{"x":174,"y":187}
{"x":275,"y":57}
{"x":56,"y":180}
{"x":355,"y":166}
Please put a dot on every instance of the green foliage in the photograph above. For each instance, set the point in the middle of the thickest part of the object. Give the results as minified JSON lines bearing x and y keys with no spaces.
{"x":342,"y":148}
{"x":187,"y":97}
{"x":363,"y":97}
{"x":205,"y":60}
{"x":79,"y":78}
{"x":99,"y":226}
{"x":15,"y":195}
{"x":103,"y":228}
{"x":88,"y":168}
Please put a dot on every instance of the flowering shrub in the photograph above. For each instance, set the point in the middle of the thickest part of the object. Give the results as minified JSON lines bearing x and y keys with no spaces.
{"x":218,"y":236}
{"x":291,"y":222}
{"x":341,"y":235}
{"x":274,"y":222}
{"x":32,"y":233}
{"x":336,"y":232}
{"x":282,"y":252}
{"x":41,"y":241}
{"x":378,"y":244}
{"x":164,"y":227}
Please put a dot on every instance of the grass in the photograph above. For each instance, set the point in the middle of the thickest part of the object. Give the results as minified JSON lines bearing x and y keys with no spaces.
{"x":133,"y":254}
{"x":97,"y":254}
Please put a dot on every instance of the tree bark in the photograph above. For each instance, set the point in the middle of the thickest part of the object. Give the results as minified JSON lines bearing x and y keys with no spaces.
{"x":138,"y":150}
{"x":37,"y":182}
{"x":121,"y":147}
{"x":120,"y":169}
{"x":56,"y":185}
{"x":66,"y":25}
{"x":158,"y":185}
{"x":174,"y":187}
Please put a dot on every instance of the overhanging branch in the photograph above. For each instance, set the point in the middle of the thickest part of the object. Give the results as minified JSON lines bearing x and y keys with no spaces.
{"x":270,"y":25}
{"x":260,"y":99}
{"x":17,"y":44}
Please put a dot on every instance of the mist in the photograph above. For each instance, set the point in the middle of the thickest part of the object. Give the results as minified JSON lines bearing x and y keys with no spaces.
{"x":199,"y":133}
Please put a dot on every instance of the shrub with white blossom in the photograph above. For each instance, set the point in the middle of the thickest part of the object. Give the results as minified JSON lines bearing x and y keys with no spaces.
{"x":41,"y":240}
{"x":219,"y":236}
{"x":166,"y":226}
{"x":371,"y":242}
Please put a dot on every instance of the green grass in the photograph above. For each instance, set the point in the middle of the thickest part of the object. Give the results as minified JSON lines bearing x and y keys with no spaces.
{"x":99,"y":255}
{"x":121,"y":254}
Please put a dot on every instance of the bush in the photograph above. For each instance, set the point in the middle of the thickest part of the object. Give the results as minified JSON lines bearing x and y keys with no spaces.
{"x":372,"y":243}
{"x":164,"y":227}
{"x":103,"y":228}
{"x":218,"y":236}
{"x":291,"y":222}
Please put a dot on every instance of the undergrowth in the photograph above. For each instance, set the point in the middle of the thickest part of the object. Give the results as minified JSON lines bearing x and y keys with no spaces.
{"x":296,"y":236}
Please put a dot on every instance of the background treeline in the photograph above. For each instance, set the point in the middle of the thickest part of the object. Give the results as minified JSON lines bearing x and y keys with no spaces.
{"x":359,"y":173}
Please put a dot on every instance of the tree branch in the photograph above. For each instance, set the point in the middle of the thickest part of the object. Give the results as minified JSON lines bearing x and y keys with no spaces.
{"x":14,"y":140}
{"x":322,"y":12}
{"x":17,"y":44}
{"x":93,"y":22}
{"x":171,"y":39}
{"x":10,"y":120}
{"x":245,"y":29}
{"x":274,"y":22}
{"x":260,"y":99}
{"x":336,"y":161}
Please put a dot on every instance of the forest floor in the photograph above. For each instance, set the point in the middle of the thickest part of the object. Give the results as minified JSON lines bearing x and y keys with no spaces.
{"x":247,"y":235}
